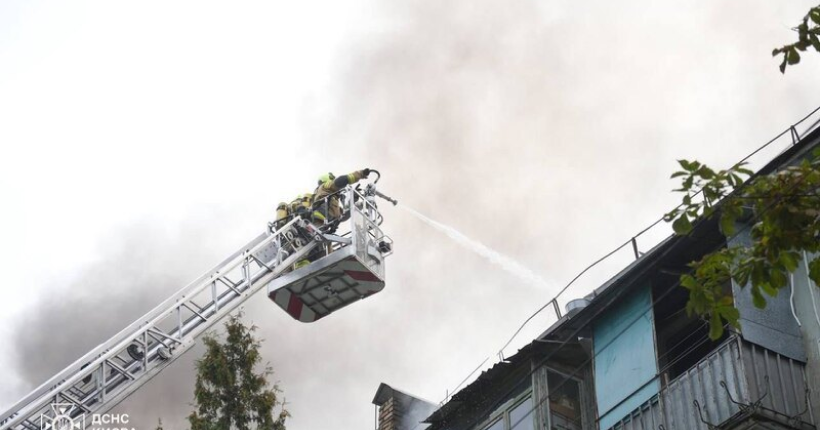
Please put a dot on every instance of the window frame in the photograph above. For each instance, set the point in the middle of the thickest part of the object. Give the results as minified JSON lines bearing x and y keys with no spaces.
{"x":581,"y":384}
{"x":502,"y":413}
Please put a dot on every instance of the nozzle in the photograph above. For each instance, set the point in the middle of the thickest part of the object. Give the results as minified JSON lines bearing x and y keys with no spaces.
{"x":394,"y":201}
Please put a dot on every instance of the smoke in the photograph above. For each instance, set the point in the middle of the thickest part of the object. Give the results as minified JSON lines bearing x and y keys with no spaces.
{"x":545,"y":129}
{"x":414,"y":412}
{"x":508,"y":264}
{"x":140,"y":266}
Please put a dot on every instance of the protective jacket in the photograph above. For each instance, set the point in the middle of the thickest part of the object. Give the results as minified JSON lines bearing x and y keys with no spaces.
{"x":282,"y":215}
{"x":302,"y":203}
{"x":284,"y":211}
{"x":324,"y":207}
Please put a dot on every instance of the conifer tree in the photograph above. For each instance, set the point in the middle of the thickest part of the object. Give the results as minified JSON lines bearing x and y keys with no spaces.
{"x":230,"y":393}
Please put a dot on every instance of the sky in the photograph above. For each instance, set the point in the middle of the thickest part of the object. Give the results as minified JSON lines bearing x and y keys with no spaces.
{"x":141,"y":143}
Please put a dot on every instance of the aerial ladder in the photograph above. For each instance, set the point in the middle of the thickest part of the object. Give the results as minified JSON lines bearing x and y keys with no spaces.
{"x":346,"y":265}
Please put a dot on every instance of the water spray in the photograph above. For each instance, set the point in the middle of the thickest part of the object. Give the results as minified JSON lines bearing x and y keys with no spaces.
{"x":506,"y":263}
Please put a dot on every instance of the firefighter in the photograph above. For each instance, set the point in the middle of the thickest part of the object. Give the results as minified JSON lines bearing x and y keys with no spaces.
{"x":301,"y":204}
{"x":282,"y":215}
{"x":326,"y":206}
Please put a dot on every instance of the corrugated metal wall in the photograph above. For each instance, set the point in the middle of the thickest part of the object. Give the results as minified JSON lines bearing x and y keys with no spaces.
{"x":648,"y":416}
{"x":786,"y":384}
{"x":744,"y":368}
{"x":702,"y":384}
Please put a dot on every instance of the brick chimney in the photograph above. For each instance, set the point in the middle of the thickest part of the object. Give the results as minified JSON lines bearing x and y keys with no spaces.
{"x":399,"y":410}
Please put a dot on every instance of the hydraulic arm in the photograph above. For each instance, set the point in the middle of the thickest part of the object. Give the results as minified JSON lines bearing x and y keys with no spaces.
{"x":120,"y":366}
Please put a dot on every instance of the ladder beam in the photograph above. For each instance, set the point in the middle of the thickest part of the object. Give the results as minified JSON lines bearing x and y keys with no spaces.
{"x":133,"y":375}
{"x":113,"y":370}
{"x":195,"y":330}
{"x":58,"y":378}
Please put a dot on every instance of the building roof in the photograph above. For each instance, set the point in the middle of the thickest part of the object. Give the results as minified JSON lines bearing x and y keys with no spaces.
{"x":385,"y":392}
{"x":665,"y":256}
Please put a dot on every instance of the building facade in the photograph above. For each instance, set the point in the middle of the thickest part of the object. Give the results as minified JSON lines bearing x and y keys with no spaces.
{"x":629,"y":357}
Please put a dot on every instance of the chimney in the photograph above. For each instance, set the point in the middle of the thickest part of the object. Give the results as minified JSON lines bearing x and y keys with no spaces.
{"x":399,"y":410}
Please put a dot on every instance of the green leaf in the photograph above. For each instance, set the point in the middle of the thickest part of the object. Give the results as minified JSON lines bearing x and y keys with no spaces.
{"x":737,"y":178}
{"x":742,"y":276}
{"x":803,"y":31}
{"x":715,"y":327}
{"x":727,"y":223}
{"x":803,"y":44}
{"x":815,"y":42}
{"x":679,"y":174}
{"x":744,"y":171}
{"x":778,"y":281}
{"x":768,"y":289}
{"x":706,"y":173}
{"x":814,"y":15}
{"x":731,"y":315}
{"x":682,"y":225}
{"x":814,"y":270}
{"x":793,"y":56}
{"x":687,"y":281}
{"x":687,"y":183}
{"x":789,"y":260}
{"x":757,"y":298}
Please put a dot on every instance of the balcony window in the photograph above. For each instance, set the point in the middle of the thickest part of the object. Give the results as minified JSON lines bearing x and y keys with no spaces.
{"x":565,"y":402}
{"x":522,"y":416}
{"x":497,"y":425}
{"x":518,"y":416}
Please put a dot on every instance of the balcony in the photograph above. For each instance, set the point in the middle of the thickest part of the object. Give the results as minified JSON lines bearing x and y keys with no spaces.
{"x":737,"y":386}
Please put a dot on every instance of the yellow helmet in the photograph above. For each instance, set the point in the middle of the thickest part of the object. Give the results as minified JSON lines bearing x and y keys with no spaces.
{"x":326,"y":177}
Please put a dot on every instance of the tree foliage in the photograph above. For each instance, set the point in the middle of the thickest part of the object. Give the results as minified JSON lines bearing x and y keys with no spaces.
{"x":808,"y":35}
{"x":780,"y":213}
{"x":230,"y":394}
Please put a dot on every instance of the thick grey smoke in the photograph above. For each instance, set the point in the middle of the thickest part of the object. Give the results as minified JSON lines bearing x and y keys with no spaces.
{"x":142,"y":265}
{"x":545,"y":130}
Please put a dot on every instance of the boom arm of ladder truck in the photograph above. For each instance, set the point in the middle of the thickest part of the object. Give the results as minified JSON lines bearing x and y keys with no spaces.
{"x":350,"y":267}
